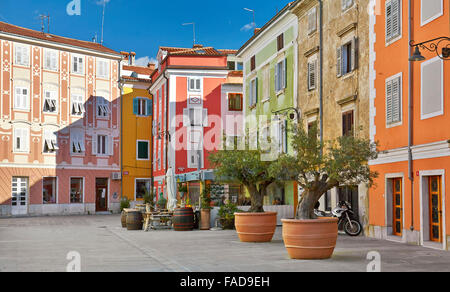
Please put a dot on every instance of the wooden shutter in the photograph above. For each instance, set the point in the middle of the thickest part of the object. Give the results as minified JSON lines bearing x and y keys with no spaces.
{"x":186,"y":118}
{"x":110,"y":150}
{"x":135,"y":106}
{"x":253,"y":63}
{"x":205,"y":118}
{"x":395,"y":4}
{"x":396,"y":100}
{"x":355,"y":53}
{"x":285,"y":73}
{"x":256,"y":90}
{"x":149,"y":107}
{"x":94,"y":144}
{"x":339,"y":62}
{"x":388,"y":19}
{"x":277,"y":75}
{"x":389,"y":102}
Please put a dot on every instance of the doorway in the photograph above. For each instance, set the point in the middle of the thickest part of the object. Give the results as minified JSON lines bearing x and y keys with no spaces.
{"x":435,"y":208}
{"x":101,"y":194}
{"x":397,"y":207}
{"x":19,"y":196}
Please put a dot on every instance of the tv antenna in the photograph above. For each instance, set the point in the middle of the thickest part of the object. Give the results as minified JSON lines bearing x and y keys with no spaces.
{"x":43,"y":17}
{"x":193,"y":25}
{"x":103,"y":19}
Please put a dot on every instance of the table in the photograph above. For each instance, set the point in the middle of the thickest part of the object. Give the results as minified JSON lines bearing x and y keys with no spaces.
{"x":157,"y":220}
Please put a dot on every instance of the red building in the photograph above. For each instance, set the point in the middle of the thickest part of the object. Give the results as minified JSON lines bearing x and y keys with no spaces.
{"x":188,"y":90}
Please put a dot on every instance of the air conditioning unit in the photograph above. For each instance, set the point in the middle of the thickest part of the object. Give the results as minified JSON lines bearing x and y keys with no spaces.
{"x":116,"y":176}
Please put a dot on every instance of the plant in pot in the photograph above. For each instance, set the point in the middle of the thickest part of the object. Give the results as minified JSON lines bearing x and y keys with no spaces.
{"x":205,"y":213}
{"x":162,"y":202}
{"x":319,"y":167}
{"x":226,"y":215}
{"x":149,"y":199}
{"x":249,"y":169}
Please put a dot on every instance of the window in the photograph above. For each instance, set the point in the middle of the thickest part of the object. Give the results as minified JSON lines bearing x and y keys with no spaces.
{"x":347,"y":123}
{"x":195,"y":117}
{"x":49,"y":190}
{"x":231,"y":65}
{"x":253,"y":63}
{"x":347,"y":57}
{"x":430,"y":10}
{"x":50,"y":142}
{"x":280,"y":42}
{"x":432,"y":88}
{"x":142,"y":188}
{"x":393,"y":99}
{"x":142,"y":106}
{"x":21,"y":140}
{"x":19,"y":191}
{"x":346,"y":4}
{"x":280,"y":76}
{"x":103,"y":110}
{"x":102,"y":144}
{"x":76,"y":190}
{"x":312,"y":74}
{"x":393,"y":20}
{"x":312,"y":20}
{"x":194,"y":84}
{"x":102,"y":68}
{"x":143,"y":150}
{"x":50,"y":101}
{"x":77,"y":65}
{"x":239,"y":66}
{"x":50,"y":60}
{"x":21,"y":99}
{"x":266,"y":82}
{"x":77,"y":105}
{"x":253,"y":92}
{"x":22,"y":55}
{"x":77,"y":141}
{"x":235,"y":102}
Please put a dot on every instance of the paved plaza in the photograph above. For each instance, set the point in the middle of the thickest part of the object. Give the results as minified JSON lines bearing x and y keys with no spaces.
{"x":43,"y":243}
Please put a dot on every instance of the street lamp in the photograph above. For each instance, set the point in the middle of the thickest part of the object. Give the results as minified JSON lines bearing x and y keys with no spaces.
{"x":294,"y":113}
{"x":433,"y":46}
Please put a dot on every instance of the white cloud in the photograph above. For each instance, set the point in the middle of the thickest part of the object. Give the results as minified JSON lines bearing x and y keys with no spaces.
{"x":248,"y":27}
{"x":143,"y":61}
{"x":100,"y":2}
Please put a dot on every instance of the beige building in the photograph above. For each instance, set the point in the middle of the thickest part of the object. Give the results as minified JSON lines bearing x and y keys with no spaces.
{"x":345,"y":88}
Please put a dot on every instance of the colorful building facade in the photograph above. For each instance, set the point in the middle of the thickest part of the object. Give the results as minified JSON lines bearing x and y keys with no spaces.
{"x":137,"y":117}
{"x":59,"y":125}
{"x":188,"y":109}
{"x":409,"y":116}
{"x":270,"y":92}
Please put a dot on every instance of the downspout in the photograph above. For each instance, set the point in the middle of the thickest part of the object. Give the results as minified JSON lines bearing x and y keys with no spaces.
{"x":410,"y":116}
{"x":121,"y":128}
{"x":321,"y":71}
{"x":167,"y":136}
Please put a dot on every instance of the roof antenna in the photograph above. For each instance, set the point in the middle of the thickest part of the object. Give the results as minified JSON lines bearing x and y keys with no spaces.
{"x":103,"y":18}
{"x":43,"y":17}
{"x":193,"y":24}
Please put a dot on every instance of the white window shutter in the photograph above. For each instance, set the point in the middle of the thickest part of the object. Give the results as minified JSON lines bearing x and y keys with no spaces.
{"x":355,"y":53}
{"x":205,"y":118}
{"x":395,"y":4}
{"x":26,"y":139}
{"x":389,"y":102}
{"x":110,"y":144}
{"x":277,"y":87}
{"x":94,"y":144}
{"x":388,"y":18}
{"x":339,"y":61}
{"x":186,"y":118}
{"x":284,"y":74}
{"x":396,"y":100}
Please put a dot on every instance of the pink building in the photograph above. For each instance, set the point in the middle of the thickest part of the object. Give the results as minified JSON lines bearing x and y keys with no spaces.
{"x":59,"y":125}
{"x":191,"y":91}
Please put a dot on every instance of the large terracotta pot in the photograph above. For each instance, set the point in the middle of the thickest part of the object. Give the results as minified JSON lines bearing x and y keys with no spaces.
{"x":256,"y":227}
{"x":310,"y":239}
{"x":205,"y":219}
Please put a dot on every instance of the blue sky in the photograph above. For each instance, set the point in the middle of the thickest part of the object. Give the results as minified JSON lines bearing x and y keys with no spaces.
{"x":142,"y":26}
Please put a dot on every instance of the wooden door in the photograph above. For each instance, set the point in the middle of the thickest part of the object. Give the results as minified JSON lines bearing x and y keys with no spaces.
{"x":397,"y":207}
{"x":101,"y":191}
{"x":435,"y":211}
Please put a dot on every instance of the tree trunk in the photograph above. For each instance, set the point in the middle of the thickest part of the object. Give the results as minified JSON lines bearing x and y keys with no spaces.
{"x":307,"y":204}
{"x":257,"y":198}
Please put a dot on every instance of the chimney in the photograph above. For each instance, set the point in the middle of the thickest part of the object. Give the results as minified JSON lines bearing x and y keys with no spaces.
{"x":198,"y":46}
{"x":132,"y":58}
{"x":257,"y":30}
{"x":151,"y":66}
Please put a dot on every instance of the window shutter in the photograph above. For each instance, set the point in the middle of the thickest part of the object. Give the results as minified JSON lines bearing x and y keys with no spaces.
{"x":396,"y":100}
{"x":256,"y":90}
{"x":135,"y":106}
{"x":186,"y":118}
{"x":389,"y":102}
{"x":26,"y":139}
{"x":395,"y":20}
{"x":110,"y":144}
{"x":355,"y":52}
{"x":388,"y":20}
{"x":205,"y":118}
{"x":277,"y":85}
{"x":94,"y":144}
{"x":285,"y":140}
{"x":339,"y":61}
{"x":285,"y":73}
{"x":149,"y":107}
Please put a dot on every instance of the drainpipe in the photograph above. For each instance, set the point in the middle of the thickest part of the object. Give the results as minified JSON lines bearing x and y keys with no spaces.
{"x":121,"y":129}
{"x":410,"y":115}
{"x":321,"y":71}
{"x":167,"y":135}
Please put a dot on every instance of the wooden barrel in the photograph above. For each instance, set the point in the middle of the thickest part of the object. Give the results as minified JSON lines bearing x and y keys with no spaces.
{"x":123,"y":219}
{"x":183,"y":219}
{"x":134,"y":220}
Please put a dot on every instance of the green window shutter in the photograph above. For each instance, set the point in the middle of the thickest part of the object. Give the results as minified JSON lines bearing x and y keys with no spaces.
{"x":149,"y":107}
{"x":285,"y":73}
{"x":135,"y":106}
{"x":256,"y":90}
{"x":142,"y":150}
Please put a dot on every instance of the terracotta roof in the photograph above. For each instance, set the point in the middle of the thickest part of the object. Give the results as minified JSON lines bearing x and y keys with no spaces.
{"x":198,"y":51}
{"x":21,"y":31}
{"x":235,"y":74}
{"x":228,"y":52}
{"x":130,"y":78}
{"x":138,"y":69}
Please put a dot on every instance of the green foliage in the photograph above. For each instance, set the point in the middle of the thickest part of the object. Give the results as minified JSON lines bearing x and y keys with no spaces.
{"x":182,"y":188}
{"x":149,"y":198}
{"x":124,"y":204}
{"x":319,"y":167}
{"x":206,"y":198}
{"x":226,"y":215}
{"x":162,"y":202}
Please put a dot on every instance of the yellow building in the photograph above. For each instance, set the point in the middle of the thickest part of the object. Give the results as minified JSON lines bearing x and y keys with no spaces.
{"x":137,"y":110}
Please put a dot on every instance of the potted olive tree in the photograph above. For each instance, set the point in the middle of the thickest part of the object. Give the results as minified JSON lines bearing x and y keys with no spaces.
{"x":205,"y":213}
{"x":319,"y":167}
{"x":247,"y":168}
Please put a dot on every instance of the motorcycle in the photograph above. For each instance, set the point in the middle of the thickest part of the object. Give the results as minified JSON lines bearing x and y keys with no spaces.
{"x":346,"y":218}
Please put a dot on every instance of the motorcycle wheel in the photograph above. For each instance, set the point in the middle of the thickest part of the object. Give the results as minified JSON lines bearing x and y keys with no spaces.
{"x":354,"y":229}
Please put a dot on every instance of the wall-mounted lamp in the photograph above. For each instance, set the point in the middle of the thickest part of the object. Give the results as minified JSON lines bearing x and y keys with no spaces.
{"x":440,"y":46}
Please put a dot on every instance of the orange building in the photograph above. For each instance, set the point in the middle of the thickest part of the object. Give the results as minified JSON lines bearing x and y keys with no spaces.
{"x":410,"y":114}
